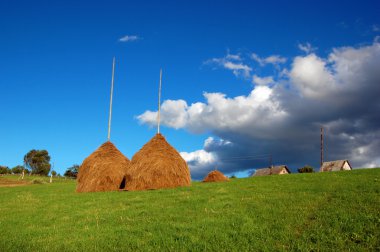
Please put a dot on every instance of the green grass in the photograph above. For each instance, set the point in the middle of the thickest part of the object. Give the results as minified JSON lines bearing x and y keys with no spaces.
{"x":299,"y":212}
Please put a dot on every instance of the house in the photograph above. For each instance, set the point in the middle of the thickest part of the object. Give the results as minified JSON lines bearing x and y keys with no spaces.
{"x":279,"y":170}
{"x":338,"y":165}
{"x":274,"y":170}
{"x":262,"y":172}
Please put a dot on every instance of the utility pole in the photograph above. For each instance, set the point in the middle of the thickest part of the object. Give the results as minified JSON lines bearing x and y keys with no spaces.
{"x":270,"y":161}
{"x":321,"y":146}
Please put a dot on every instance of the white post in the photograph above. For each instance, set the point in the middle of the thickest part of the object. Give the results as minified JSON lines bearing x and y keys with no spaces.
{"x":159,"y":104}
{"x":110,"y":115}
{"x":51,"y":174}
{"x":23,"y":172}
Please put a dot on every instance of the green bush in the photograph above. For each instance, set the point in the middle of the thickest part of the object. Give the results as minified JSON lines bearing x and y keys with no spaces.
{"x":17,"y":169}
{"x":38,"y":181}
{"x":4,"y":170}
{"x":306,"y":169}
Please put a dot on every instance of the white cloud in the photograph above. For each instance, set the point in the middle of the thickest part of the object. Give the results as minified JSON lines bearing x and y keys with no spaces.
{"x":220,"y":112}
{"x":262,"y":81}
{"x":273,"y":59}
{"x":231,"y":62}
{"x":173,"y":114}
{"x":129,"y":38}
{"x":233,"y":57}
{"x":311,"y":76}
{"x":200,"y":156}
{"x":237,"y":68}
{"x":283,"y":119}
{"x":307,"y":47}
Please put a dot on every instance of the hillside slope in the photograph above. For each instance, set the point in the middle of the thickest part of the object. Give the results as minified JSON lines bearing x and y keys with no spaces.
{"x":298,"y":212}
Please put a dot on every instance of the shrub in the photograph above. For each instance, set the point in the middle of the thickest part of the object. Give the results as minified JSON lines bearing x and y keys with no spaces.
{"x":306,"y":169}
{"x":4,"y":170}
{"x":38,"y":181}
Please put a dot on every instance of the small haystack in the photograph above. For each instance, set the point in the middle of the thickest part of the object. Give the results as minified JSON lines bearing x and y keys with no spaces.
{"x":103,"y":170}
{"x":215,"y":176}
{"x":157,"y":165}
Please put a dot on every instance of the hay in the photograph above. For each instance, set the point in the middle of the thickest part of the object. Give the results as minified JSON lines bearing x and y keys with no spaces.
{"x":215,"y":176}
{"x":103,"y":170}
{"x":157,"y":165}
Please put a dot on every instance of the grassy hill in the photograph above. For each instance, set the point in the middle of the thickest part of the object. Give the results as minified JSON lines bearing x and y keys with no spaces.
{"x":299,"y":212}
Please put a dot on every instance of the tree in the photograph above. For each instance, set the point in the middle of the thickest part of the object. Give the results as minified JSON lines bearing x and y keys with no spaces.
{"x":38,"y":161}
{"x":72,"y":171}
{"x":54,"y":173}
{"x":4,"y":170}
{"x":17,"y":169}
{"x":306,"y":169}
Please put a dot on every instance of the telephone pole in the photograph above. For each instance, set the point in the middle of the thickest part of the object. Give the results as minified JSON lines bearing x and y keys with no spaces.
{"x":321,"y":146}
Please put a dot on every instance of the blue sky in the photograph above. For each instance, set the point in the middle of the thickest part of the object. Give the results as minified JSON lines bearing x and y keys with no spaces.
{"x":55,"y":73}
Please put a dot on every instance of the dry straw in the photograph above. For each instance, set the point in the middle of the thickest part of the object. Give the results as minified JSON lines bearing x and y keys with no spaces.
{"x":157,"y":165}
{"x":215,"y":176}
{"x":103,"y":170}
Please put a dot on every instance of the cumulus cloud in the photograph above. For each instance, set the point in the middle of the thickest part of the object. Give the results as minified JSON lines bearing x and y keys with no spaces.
{"x":173,"y":114}
{"x":200,"y":161}
{"x":273,"y":59}
{"x":262,"y":81}
{"x":220,"y":112}
{"x":311,"y":76}
{"x":129,"y":38}
{"x":283,"y":119}
{"x":231,"y":62}
{"x":307,"y":47}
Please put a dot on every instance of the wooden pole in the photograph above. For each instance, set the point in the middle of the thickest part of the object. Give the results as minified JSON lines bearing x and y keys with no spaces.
{"x":159,"y":104}
{"x":270,"y":161}
{"x":321,"y":147}
{"x":110,"y":114}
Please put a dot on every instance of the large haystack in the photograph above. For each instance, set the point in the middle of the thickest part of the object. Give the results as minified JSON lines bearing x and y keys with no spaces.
{"x":157,"y":165}
{"x":103,"y":170}
{"x":215,"y":176}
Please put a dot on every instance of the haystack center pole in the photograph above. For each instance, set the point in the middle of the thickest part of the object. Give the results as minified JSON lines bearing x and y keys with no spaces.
{"x":110,"y":115}
{"x":159,"y":103}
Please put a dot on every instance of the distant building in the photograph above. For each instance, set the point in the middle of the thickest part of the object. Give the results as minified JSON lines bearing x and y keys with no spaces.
{"x":274,"y":170}
{"x":338,"y":165}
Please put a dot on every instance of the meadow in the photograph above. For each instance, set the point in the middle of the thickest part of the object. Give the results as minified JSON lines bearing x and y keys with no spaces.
{"x":336,"y":211}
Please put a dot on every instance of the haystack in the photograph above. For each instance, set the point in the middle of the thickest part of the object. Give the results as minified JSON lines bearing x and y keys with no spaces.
{"x":157,"y":165}
{"x":215,"y":176}
{"x":103,"y":170}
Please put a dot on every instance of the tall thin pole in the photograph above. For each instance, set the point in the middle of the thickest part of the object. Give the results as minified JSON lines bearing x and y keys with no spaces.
{"x":321,"y":146}
{"x":159,"y":103}
{"x":110,"y":115}
{"x":270,"y":161}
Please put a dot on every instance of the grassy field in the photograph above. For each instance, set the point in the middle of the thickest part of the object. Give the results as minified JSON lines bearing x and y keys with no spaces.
{"x":299,"y":212}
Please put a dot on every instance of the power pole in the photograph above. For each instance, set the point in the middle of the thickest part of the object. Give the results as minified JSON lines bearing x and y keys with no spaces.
{"x":270,"y":161}
{"x":321,"y":146}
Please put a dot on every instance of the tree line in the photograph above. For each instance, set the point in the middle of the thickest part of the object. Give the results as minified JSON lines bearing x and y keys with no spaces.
{"x":37,"y":162}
